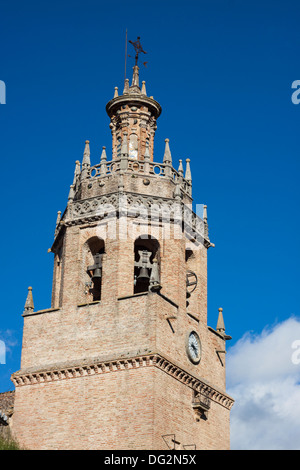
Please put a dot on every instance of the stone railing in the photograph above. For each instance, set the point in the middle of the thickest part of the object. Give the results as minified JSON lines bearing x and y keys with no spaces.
{"x":144,"y":167}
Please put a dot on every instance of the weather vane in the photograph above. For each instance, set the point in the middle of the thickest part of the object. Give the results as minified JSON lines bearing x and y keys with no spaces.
{"x":138,"y":49}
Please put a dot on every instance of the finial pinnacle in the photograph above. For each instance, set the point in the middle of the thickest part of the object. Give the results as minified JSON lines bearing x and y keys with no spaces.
{"x":220,"y":324}
{"x":205,"y":213}
{"x":167,"y":155}
{"x":143,"y":91}
{"x":135,"y":87}
{"x":126,"y":86}
{"x":180,"y":168}
{"x":86,"y":162}
{"x":58,"y":218}
{"x":76,"y":172}
{"x":29,"y":305}
{"x":188,"y":174}
{"x":71,"y":193}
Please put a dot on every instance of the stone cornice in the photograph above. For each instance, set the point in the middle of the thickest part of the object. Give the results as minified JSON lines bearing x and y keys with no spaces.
{"x":126,"y":203}
{"x":133,"y":99}
{"x":97,"y":367}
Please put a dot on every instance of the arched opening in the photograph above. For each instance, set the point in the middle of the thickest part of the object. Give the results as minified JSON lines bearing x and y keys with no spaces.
{"x":146,"y":250}
{"x":96,"y":249}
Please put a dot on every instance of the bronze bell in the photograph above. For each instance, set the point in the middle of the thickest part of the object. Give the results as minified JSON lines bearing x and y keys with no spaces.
{"x":97,"y":274}
{"x":143,"y":275}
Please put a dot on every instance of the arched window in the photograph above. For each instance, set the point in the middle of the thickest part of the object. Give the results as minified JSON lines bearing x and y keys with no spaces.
{"x":146,"y":253}
{"x":96,"y":249}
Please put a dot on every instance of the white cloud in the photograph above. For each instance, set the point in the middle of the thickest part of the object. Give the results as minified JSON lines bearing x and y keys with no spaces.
{"x":8,"y":342}
{"x":263,"y":376}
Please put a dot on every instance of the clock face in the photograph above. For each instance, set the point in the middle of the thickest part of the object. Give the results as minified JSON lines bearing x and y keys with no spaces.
{"x":193,"y":347}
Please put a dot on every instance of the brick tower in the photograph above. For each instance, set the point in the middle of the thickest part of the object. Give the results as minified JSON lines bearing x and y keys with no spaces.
{"x":124,"y":358}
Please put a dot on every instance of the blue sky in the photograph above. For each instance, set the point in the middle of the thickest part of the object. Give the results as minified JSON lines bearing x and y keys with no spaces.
{"x":222,"y":72}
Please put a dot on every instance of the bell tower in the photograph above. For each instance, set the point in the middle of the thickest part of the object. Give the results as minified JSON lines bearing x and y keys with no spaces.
{"x":124,"y":358}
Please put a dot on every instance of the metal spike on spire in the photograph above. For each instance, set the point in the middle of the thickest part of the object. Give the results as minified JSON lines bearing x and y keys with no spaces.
{"x":29,"y":305}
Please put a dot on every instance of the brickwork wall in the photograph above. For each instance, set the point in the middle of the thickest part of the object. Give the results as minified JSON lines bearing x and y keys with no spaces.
{"x":136,"y":324}
{"x":142,"y":405}
{"x":99,"y":412}
{"x":175,"y":415}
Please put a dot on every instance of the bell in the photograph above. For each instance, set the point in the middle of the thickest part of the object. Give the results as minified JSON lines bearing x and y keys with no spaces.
{"x":97,"y":274}
{"x":143,"y":276}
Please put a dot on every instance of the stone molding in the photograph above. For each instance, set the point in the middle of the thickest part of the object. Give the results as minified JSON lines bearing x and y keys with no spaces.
{"x":98,"y":367}
{"x":129,"y":204}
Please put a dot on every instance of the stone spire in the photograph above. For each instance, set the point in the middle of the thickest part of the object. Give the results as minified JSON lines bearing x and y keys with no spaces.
{"x":116,"y":94}
{"x":135,"y":88}
{"x":180,"y":168}
{"x":86,"y":161}
{"x":29,"y":305}
{"x":167,"y":155}
{"x":205,"y":221}
{"x":86,"y":154}
{"x":143,"y":91}
{"x":220,"y":324}
{"x":76,"y":172}
{"x":205,"y":213}
{"x":103,"y":160}
{"x":58,"y":218}
{"x":188,"y":174}
{"x":71,"y":193}
{"x":126,"y":87}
